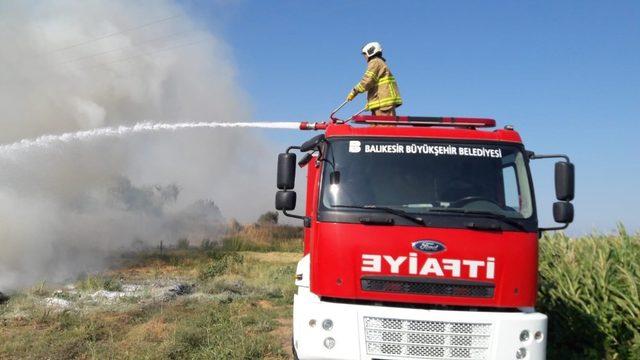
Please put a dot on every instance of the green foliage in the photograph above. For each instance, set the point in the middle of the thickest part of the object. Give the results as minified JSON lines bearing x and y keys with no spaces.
{"x":227,"y":331}
{"x":219,"y":264}
{"x":182,"y":244}
{"x":96,"y":282}
{"x":590,"y":289}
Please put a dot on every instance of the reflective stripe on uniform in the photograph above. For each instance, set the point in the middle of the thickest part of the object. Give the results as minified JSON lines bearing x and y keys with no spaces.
{"x":392,"y":99}
{"x":359,"y":88}
{"x":392,"y":89}
{"x":376,"y":104}
{"x":386,"y":80}
{"x":370,"y":74}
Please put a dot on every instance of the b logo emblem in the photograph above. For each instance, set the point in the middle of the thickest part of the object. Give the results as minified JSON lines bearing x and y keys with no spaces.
{"x":354,"y":146}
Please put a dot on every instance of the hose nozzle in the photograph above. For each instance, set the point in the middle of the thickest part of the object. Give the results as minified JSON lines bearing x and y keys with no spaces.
{"x":313,"y":126}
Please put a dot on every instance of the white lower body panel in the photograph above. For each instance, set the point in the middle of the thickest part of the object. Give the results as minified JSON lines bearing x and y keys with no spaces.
{"x":392,"y":333}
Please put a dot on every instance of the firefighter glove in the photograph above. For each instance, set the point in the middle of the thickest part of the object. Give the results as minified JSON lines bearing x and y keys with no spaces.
{"x":351,"y":96}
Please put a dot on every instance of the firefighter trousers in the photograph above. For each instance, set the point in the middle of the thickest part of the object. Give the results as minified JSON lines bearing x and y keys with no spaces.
{"x":389,"y":112}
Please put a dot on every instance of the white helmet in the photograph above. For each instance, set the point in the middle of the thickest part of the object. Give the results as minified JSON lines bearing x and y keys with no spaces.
{"x":372,"y":49}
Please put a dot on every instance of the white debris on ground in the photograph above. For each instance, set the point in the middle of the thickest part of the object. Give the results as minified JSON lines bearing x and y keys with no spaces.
{"x":131,"y":289}
{"x":108,"y":295}
{"x":127,"y":296}
{"x":57,"y":303}
{"x":70,"y":297}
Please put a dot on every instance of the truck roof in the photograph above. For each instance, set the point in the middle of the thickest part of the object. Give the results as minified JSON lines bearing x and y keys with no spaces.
{"x":441,"y":131}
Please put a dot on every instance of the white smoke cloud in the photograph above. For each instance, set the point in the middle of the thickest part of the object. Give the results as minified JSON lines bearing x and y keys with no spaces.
{"x":70,"y":65}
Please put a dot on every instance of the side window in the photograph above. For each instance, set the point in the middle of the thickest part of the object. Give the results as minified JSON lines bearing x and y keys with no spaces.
{"x":511,"y":192}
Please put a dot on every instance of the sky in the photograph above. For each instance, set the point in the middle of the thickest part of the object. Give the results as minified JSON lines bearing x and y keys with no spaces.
{"x":565,"y":74}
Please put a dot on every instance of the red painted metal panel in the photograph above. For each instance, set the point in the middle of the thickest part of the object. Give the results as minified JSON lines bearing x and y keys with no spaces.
{"x":346,"y":130}
{"x":313,"y":184}
{"x":336,"y":249}
{"x":425,"y":120}
{"x":336,"y":262}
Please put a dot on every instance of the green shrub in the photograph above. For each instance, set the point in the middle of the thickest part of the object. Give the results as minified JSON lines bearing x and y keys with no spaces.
{"x":220,"y":262}
{"x":268,"y":218}
{"x":94,"y":283}
{"x":590,"y":289}
{"x":182,"y":244}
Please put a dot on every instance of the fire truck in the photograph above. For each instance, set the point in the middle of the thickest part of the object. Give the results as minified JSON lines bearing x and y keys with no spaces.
{"x":420,"y":239}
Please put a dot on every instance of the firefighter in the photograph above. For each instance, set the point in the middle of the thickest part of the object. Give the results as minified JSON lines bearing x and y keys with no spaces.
{"x":383,"y":96}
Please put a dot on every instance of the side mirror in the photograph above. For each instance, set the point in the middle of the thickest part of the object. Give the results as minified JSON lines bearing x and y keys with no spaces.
{"x":312,"y":143}
{"x":563,"y":212}
{"x":286,"y":171}
{"x":565,"y":182}
{"x":305,"y":160}
{"x":285,"y":200}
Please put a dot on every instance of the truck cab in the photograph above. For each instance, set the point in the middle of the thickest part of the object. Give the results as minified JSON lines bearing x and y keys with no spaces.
{"x":421,"y":240}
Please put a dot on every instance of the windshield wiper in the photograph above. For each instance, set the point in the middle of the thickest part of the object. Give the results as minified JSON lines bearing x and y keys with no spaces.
{"x":401,"y":213}
{"x":481,"y":213}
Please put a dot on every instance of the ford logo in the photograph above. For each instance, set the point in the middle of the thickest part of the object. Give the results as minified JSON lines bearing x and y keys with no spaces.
{"x":428,"y":246}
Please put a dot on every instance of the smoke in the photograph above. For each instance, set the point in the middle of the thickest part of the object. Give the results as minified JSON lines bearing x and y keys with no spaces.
{"x":69,"y":66}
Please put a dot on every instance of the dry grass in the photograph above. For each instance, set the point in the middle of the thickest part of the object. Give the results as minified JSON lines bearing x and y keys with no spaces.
{"x":264,"y":237}
{"x":238,"y":312}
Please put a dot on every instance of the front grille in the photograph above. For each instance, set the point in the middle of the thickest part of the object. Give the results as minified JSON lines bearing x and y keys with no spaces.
{"x":427,"y":339}
{"x":427,"y":286}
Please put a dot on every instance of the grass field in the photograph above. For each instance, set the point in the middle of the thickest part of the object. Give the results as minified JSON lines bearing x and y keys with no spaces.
{"x":208,"y":302}
{"x":234,"y":302}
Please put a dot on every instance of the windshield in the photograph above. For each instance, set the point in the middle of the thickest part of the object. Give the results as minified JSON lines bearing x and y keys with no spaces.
{"x":420,"y":177}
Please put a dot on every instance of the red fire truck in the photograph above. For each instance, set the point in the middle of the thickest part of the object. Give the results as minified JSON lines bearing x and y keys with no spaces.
{"x":421,"y":240}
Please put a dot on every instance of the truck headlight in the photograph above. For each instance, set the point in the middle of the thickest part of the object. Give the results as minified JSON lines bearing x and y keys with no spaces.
{"x":521,"y":353}
{"x":538,"y":336}
{"x":327,"y":324}
{"x":329,"y":343}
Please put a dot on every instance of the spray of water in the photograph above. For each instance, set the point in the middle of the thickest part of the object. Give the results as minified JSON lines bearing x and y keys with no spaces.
{"x":45,"y":141}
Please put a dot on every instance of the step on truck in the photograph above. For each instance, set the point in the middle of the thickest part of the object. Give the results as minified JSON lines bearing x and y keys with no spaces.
{"x":420,"y":240}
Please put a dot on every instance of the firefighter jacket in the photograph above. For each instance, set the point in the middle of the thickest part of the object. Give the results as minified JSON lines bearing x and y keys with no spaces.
{"x":382,"y":89}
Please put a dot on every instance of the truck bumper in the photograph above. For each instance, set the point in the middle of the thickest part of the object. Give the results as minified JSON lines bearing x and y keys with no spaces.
{"x":390,"y":333}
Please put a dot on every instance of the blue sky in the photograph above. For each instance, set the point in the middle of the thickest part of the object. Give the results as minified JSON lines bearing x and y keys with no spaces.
{"x":565,"y":74}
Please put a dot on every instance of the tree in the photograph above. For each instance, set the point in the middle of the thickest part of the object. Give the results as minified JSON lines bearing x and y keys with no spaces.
{"x":268,"y":218}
